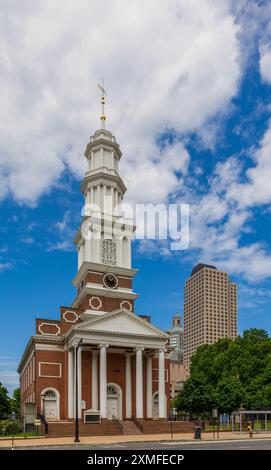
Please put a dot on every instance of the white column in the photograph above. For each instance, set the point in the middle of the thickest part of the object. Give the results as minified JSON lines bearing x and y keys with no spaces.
{"x":128,"y":253}
{"x":112,"y":205}
{"x":80,"y":257}
{"x":119,"y":204}
{"x":94,"y":380}
{"x":116,"y":200}
{"x":87,"y":198}
{"x":74,"y":382}
{"x":103,"y":382}
{"x":139,"y":384}
{"x":70,"y":383}
{"x":79,"y":363}
{"x":149,"y":386}
{"x":122,"y":251}
{"x":161,"y":389}
{"x":103,"y":197}
{"x":128,"y":386}
{"x":98,"y":201}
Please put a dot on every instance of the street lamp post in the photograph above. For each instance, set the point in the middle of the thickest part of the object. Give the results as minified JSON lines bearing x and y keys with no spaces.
{"x":43,"y":420}
{"x":76,"y":437}
{"x":171,"y":424}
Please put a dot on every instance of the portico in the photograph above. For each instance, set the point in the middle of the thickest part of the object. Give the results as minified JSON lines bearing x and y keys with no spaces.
{"x":139,"y":349}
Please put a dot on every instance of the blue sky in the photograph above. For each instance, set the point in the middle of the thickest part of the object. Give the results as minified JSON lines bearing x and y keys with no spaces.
{"x":191,"y":113}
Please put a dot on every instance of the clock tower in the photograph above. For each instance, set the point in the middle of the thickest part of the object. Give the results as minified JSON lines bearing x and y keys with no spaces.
{"x":103,"y":241}
{"x":99,"y":364}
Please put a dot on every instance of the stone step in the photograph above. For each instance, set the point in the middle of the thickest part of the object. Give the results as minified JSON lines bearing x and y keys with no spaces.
{"x":129,"y":427}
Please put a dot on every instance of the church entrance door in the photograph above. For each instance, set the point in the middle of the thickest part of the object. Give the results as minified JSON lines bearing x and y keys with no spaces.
{"x":51,"y":406}
{"x":112,"y":407}
{"x":113,"y":401}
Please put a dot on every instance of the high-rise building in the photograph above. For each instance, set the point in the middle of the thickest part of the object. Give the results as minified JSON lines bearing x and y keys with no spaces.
{"x":210,"y":309}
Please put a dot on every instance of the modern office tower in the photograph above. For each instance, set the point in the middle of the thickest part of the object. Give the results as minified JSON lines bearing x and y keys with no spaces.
{"x":210,"y":309}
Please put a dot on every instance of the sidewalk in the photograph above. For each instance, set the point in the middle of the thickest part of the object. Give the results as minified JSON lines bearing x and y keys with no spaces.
{"x":223,"y":436}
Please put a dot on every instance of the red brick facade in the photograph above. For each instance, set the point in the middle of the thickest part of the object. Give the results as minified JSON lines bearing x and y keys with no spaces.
{"x":48,"y":369}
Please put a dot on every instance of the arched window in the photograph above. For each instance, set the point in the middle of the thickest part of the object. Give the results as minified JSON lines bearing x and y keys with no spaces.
{"x":51,"y":394}
{"x":111,"y":390}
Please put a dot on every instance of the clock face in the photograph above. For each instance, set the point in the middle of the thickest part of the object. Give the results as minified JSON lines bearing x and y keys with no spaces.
{"x":110,"y":281}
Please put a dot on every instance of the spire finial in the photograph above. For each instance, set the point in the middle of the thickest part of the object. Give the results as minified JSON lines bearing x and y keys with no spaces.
{"x":103,"y":116}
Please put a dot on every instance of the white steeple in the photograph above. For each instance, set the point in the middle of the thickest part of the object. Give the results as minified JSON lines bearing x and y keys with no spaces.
{"x":103,"y":191}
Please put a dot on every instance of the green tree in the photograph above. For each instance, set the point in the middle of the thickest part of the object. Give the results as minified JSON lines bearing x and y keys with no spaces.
{"x":15,"y":401}
{"x":229,"y":374}
{"x":4,"y":402}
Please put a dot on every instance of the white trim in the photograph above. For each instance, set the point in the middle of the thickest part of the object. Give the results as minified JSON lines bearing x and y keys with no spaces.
{"x":50,"y":324}
{"x":126,"y":302}
{"x":113,"y":384}
{"x":101,"y":288}
{"x":88,"y":266}
{"x":157,"y":332}
{"x":27,"y":362}
{"x":70,"y":321}
{"x":57,"y":399}
{"x":51,"y":363}
{"x":92,"y":338}
{"x":95,"y":298}
{"x":48,"y":347}
{"x":118,"y":293}
{"x":70,"y":387}
{"x":154,"y":395}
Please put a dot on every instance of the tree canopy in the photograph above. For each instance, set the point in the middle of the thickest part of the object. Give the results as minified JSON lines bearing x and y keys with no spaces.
{"x":4,"y":402}
{"x":15,"y":401}
{"x":229,"y":374}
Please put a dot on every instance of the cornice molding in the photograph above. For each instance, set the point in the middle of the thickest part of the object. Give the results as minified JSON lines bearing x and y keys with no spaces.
{"x":88,"y":266}
{"x":157,"y":333}
{"x":101,"y":177}
{"x":103,"y":292}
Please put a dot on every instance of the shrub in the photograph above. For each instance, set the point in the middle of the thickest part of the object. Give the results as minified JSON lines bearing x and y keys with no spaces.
{"x":6,"y":427}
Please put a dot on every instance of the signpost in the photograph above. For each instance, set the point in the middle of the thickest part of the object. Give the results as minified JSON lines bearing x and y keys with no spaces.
{"x":37,"y":423}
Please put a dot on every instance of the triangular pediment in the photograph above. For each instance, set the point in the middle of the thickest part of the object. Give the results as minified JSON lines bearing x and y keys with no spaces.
{"x":121,"y":322}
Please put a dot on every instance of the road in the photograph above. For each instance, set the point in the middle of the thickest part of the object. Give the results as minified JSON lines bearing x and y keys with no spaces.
{"x":256,"y":444}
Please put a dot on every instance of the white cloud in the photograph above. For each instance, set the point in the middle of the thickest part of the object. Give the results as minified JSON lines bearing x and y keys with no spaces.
{"x":27,"y":240}
{"x":65,"y":245}
{"x":5,"y":266}
{"x":65,"y":231}
{"x":265,"y":63}
{"x":166,"y":65}
{"x":257,"y":189}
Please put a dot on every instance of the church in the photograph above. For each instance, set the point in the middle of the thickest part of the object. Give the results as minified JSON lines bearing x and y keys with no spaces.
{"x":99,"y":359}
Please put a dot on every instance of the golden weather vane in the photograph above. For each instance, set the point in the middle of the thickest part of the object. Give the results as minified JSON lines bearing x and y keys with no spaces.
{"x":103,"y":116}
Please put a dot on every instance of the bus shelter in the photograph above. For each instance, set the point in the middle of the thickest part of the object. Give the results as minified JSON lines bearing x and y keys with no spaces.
{"x":259,"y":419}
